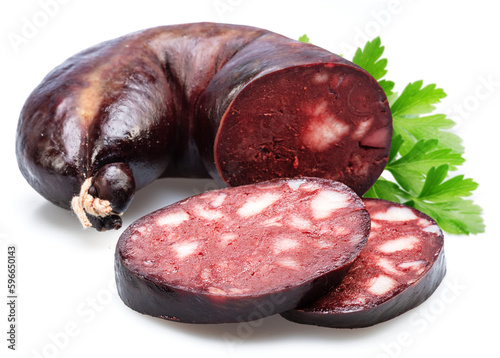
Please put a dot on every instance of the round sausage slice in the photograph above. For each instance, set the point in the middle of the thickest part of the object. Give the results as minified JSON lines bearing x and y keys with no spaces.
{"x":242,"y":253}
{"x":400,"y":267}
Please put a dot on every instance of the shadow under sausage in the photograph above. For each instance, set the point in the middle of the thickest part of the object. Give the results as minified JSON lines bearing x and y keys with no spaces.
{"x":64,"y":225}
{"x":272,"y":328}
{"x":157,"y":195}
{"x":167,"y":191}
{"x":57,"y":217}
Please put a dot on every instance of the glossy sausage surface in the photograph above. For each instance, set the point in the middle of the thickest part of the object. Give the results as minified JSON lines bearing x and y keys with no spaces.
{"x":238,"y":103}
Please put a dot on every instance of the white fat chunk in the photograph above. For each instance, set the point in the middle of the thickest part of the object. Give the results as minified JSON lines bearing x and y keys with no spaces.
{"x":324,"y":129}
{"x":228,"y":238}
{"x":362,"y":128}
{"x":289,"y":263}
{"x":256,"y":204}
{"x":402,"y":243}
{"x":296,"y":183}
{"x":342,"y":231}
{"x":387,"y":266}
{"x":323,"y":133}
{"x":326,"y":202}
{"x":218,"y":200}
{"x":207,"y":214}
{"x":173,"y":219}
{"x":377,"y":139}
{"x":184,"y":249}
{"x":320,"y":78}
{"x":412,"y":264}
{"x":275,"y":221}
{"x":423,"y":222}
{"x":205,"y":274}
{"x":300,"y":223}
{"x":216,"y":291}
{"x":284,"y":244}
{"x":309,"y":187}
{"x":396,"y":214}
{"x":237,"y":291}
{"x":323,"y":244}
{"x":381,"y":285}
{"x":433,"y":229}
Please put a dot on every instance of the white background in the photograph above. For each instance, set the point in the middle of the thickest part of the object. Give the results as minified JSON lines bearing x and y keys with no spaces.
{"x":67,"y":304}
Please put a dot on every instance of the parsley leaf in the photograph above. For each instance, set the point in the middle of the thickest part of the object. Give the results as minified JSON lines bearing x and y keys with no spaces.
{"x":387,"y":190}
{"x":455,"y":217}
{"x":445,"y":198}
{"x":423,"y":152}
{"x":304,"y":38}
{"x":432,"y":126}
{"x":369,"y":59}
{"x":409,"y":170}
{"x":415,"y":100}
{"x":436,"y":189}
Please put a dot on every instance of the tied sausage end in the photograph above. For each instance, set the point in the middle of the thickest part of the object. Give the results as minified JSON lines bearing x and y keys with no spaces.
{"x":85,"y":204}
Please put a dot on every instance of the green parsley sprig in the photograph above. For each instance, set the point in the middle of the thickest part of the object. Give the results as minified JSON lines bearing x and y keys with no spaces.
{"x":423,"y":152}
{"x":304,"y":38}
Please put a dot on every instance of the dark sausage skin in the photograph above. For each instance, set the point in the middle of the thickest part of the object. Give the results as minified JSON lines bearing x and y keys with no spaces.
{"x":237,"y":103}
{"x":241,"y":253}
{"x":400,"y":267}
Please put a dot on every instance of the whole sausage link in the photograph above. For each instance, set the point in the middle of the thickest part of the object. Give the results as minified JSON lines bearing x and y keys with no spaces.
{"x":237,"y":103}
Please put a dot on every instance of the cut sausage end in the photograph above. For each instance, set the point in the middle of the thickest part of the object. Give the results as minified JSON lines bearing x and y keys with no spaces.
{"x":401,"y":265}
{"x":238,"y":103}
{"x":183,"y":264}
{"x":323,"y":120}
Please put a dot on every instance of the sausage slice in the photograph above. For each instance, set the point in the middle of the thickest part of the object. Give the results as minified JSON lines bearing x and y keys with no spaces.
{"x":242,"y":253}
{"x":401,"y":265}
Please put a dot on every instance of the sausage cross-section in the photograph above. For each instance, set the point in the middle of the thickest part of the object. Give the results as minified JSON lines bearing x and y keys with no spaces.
{"x":237,"y":103}
{"x":241,"y":253}
{"x":401,"y":265}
